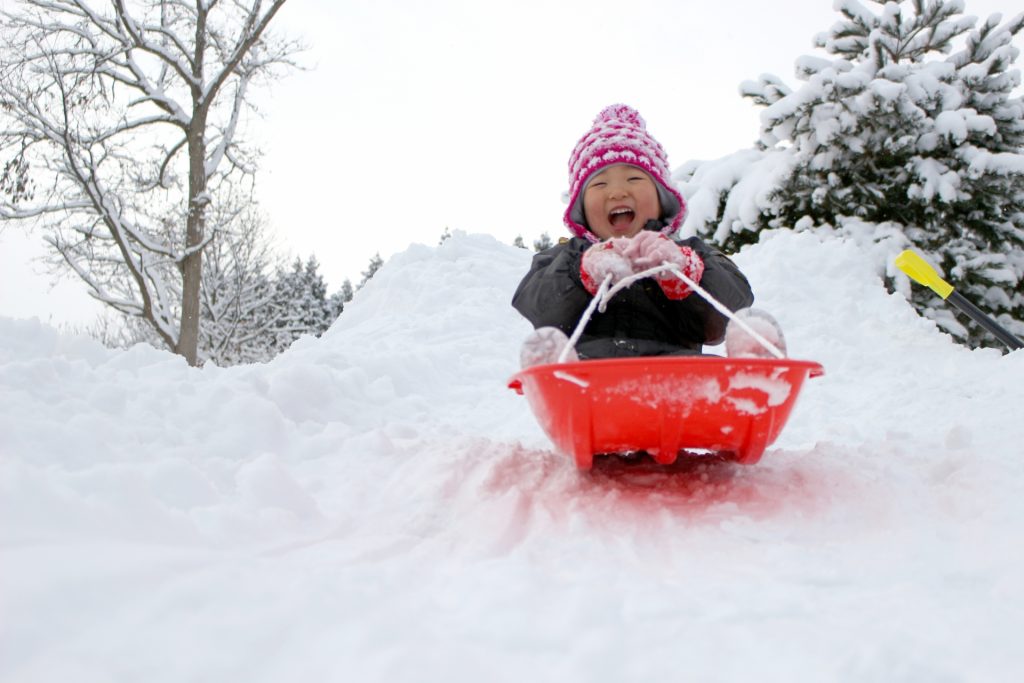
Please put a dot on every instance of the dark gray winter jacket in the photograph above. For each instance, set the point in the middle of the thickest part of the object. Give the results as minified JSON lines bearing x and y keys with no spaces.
{"x":639,"y":320}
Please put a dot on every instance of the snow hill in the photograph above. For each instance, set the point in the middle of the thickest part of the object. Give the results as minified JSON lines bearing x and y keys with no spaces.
{"x":375,"y":505}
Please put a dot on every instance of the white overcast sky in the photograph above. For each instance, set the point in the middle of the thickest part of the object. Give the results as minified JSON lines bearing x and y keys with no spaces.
{"x":416,"y":115}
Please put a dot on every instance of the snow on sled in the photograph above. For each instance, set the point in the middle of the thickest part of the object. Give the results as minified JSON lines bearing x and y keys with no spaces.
{"x":663,"y":405}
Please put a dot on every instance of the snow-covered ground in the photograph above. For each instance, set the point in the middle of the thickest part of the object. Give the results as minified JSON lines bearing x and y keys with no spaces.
{"x":375,"y":505}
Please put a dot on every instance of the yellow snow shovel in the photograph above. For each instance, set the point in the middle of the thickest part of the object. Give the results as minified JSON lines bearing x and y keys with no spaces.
{"x":920,"y":272}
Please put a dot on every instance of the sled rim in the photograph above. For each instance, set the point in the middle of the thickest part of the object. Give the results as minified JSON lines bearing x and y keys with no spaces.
{"x":814,"y":369}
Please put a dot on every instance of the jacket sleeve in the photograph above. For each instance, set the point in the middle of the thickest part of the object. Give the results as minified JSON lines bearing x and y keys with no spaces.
{"x":552,"y":293}
{"x":724,"y":281}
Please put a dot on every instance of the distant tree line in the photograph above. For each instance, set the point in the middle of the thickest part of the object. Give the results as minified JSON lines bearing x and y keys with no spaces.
{"x":254,"y":304}
{"x":540,"y":244}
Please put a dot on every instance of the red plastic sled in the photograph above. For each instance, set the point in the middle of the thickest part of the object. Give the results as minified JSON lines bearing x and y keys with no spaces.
{"x":733,"y":406}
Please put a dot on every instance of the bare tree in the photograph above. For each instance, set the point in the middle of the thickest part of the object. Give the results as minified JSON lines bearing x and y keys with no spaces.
{"x":252,"y":306}
{"x":119,"y":127}
{"x":237,"y":291}
{"x":237,"y":297}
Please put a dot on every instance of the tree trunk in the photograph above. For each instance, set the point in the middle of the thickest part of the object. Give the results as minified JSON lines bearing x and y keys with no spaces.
{"x":192,"y":265}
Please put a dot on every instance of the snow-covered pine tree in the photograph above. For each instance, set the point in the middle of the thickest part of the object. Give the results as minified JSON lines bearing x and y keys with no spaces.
{"x":342,"y":297}
{"x":300,"y":304}
{"x":375,"y":264}
{"x":908,"y":134}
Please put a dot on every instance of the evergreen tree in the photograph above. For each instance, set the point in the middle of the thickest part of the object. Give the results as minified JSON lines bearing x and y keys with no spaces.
{"x":543,"y":242}
{"x":336,"y":302}
{"x":375,"y":264}
{"x":346,"y":291}
{"x":300,"y":305}
{"x":518,"y":242}
{"x":897,"y":132}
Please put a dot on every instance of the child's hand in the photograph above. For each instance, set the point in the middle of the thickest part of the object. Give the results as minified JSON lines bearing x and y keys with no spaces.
{"x":601,"y":260}
{"x":650,"y":249}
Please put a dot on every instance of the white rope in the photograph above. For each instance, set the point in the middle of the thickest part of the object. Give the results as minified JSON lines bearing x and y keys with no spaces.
{"x":585,"y":318}
{"x":605,"y":293}
{"x":626,"y":282}
{"x":772,"y":348}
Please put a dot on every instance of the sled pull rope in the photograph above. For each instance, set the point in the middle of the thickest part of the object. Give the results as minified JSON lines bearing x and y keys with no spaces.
{"x":585,"y":318}
{"x":605,"y":293}
{"x":771,"y":348}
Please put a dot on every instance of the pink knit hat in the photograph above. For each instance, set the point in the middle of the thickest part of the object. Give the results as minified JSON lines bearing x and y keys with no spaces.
{"x":619,"y":136}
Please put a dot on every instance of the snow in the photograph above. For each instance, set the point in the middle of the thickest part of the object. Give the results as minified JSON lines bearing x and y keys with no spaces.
{"x":748,"y":178}
{"x":375,"y":505}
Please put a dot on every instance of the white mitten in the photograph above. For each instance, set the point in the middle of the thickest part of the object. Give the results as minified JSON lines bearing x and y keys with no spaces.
{"x":741,"y":344}
{"x":544,"y":346}
{"x":650,"y":249}
{"x":602,"y":260}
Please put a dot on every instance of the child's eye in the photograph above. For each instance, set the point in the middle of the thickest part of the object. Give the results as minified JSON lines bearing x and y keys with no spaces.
{"x":598,"y":183}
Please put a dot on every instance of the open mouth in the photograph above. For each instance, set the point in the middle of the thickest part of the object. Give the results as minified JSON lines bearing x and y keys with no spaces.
{"x":621,"y":217}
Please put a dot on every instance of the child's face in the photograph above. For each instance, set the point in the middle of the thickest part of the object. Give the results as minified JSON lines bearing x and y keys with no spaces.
{"x":619,"y":201}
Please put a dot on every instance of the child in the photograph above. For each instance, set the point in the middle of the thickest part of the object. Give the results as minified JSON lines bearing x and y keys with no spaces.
{"x":622,"y":212}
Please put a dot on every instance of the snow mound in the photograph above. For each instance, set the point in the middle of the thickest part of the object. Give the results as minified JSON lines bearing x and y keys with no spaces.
{"x":376,"y":502}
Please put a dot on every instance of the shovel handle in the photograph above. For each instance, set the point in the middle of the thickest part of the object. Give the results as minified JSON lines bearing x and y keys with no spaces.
{"x":976,"y":314}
